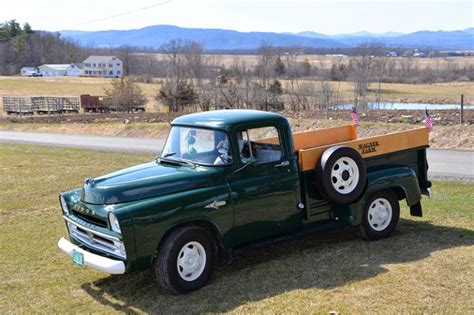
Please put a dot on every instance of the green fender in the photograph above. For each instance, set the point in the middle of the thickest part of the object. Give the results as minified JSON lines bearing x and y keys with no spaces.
{"x":155,"y":217}
{"x":402,"y":180}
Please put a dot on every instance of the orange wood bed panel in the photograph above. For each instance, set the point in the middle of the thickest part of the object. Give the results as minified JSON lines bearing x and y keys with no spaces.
{"x":317,"y":138}
{"x":368,"y":147}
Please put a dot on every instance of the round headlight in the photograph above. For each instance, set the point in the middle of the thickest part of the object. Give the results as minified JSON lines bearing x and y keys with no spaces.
{"x":63,"y":204}
{"x":114,"y":223}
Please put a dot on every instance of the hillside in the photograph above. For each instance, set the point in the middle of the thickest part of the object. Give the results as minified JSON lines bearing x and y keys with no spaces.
{"x":219,"y":39}
{"x":155,"y":36}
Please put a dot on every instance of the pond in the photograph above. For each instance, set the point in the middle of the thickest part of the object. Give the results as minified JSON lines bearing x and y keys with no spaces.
{"x":404,"y":106}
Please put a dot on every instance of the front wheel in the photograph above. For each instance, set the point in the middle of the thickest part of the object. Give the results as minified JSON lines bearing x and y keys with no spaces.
{"x":381,"y":215}
{"x":185,"y":260}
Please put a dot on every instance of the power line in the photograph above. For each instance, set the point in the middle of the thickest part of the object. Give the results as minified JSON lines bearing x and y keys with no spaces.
{"x":121,"y":14}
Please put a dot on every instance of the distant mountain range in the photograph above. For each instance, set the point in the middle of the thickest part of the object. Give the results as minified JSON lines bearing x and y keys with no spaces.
{"x":219,"y":39}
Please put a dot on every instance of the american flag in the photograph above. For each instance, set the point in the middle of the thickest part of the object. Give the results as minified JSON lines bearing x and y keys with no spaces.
{"x":427,"y":121}
{"x":355,"y":116}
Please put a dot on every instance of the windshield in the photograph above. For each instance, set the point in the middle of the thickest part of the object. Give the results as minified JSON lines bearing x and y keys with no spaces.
{"x":198,"y":145}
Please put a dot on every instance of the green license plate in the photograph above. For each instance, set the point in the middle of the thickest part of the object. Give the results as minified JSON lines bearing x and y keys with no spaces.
{"x":77,"y":258}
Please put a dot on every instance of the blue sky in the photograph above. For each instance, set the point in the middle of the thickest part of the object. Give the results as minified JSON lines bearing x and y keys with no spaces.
{"x":324,"y":16}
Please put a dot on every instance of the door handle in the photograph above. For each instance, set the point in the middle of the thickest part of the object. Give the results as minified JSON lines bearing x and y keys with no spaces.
{"x":282,"y":164}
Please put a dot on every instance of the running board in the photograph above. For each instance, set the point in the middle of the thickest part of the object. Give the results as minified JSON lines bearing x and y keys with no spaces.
{"x":319,"y":227}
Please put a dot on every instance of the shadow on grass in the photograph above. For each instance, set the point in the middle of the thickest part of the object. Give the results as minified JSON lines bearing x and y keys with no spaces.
{"x":324,"y":261}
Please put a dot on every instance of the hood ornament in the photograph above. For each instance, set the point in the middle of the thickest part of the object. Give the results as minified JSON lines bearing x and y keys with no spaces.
{"x":89,"y":182}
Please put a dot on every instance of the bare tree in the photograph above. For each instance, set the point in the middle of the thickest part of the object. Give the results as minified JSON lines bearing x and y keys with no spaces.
{"x":362,"y":66}
{"x":125,"y":95}
{"x":293,"y":72}
{"x":177,"y":90}
{"x":264,"y":70}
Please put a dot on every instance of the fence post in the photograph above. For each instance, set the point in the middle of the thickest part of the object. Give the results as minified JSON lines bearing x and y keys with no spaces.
{"x":462,"y":109}
{"x":327,"y":107}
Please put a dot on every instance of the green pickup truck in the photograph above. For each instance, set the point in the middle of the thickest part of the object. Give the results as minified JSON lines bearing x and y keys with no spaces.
{"x":231,"y":180}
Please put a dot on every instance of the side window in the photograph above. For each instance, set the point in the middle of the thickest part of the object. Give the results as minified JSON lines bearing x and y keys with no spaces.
{"x":261,"y":144}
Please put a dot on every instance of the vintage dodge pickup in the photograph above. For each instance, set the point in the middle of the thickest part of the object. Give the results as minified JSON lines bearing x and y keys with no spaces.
{"x":231,"y":180}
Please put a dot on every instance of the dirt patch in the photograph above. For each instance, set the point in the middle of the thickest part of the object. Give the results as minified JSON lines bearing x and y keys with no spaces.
{"x":440,"y":117}
{"x":92,"y":118}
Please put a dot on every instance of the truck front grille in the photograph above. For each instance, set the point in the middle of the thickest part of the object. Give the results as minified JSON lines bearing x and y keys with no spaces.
{"x":96,"y":240}
{"x":89,"y":219}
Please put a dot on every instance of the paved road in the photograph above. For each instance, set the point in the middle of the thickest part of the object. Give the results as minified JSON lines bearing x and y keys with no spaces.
{"x":444,"y":164}
{"x":451,"y":165}
{"x":80,"y":141}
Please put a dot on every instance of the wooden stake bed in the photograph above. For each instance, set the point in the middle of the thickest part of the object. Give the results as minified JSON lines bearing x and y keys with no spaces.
{"x":311,"y":145}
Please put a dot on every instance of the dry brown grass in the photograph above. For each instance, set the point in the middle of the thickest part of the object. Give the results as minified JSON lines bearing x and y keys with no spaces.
{"x":65,"y":86}
{"x":391,"y":92}
{"x":327,"y":61}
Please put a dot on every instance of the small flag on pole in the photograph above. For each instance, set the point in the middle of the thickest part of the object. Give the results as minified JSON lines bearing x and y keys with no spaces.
{"x":355,"y":116}
{"x":427,"y":121}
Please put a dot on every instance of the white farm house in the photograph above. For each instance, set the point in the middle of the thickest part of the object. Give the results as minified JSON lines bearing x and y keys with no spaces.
{"x":103,"y":66}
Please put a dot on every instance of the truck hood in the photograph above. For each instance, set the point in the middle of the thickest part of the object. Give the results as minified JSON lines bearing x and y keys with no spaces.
{"x":144,"y":181}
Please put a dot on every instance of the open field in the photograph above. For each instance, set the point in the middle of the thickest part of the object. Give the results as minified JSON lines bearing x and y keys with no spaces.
{"x":391,"y":92}
{"x":328,"y":60}
{"x":64,"y":86}
{"x":442,"y":137}
{"x":427,"y":267}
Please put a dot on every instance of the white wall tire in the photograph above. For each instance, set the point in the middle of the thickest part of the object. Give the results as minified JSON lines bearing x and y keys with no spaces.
{"x":185,"y":260}
{"x":381,"y":215}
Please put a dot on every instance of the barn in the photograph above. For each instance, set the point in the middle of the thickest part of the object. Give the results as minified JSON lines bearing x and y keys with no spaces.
{"x":60,"y":70}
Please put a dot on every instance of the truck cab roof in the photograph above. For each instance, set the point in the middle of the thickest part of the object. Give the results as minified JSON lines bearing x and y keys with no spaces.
{"x":229,"y":119}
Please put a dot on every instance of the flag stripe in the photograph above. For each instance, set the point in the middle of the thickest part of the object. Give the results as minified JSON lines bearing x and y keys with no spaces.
{"x":355,"y":117}
{"x":428,"y":121}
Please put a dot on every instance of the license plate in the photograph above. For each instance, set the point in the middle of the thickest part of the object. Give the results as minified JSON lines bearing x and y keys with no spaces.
{"x":77,"y":258}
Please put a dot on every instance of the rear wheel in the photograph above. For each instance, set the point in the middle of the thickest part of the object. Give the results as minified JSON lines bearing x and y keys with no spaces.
{"x":381,"y":215}
{"x":185,"y":260}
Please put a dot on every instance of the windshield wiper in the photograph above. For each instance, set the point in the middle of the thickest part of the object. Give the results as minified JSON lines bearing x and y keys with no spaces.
{"x":169,"y":154}
{"x":158,"y":157}
{"x":175,"y":161}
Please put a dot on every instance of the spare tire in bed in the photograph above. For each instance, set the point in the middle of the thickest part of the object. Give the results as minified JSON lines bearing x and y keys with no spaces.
{"x":341,"y":175}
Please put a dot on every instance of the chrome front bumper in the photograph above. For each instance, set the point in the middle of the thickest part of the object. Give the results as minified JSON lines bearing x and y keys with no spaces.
{"x":92,"y":260}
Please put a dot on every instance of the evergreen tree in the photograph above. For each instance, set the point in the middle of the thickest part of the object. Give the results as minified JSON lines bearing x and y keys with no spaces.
{"x":279,"y":67}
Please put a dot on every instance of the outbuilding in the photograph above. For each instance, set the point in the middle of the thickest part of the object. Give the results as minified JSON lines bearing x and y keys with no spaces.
{"x":28,"y":71}
{"x":60,"y":70}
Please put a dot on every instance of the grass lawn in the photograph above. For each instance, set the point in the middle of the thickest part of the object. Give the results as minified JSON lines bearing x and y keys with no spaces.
{"x":427,"y":267}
